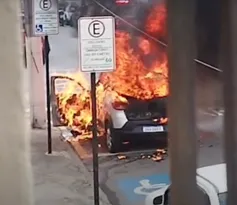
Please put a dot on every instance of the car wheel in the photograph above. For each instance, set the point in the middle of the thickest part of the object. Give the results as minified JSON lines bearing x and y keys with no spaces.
{"x":113,"y":142}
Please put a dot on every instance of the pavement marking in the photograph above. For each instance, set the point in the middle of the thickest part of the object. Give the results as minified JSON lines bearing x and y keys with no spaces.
{"x":136,"y":189}
{"x":146,"y":185}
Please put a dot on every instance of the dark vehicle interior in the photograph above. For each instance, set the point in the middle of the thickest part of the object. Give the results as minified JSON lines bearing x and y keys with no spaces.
{"x":146,"y":109}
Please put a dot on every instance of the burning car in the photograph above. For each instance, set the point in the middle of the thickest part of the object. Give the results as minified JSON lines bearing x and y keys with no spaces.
{"x":128,"y":118}
{"x":131,"y":101}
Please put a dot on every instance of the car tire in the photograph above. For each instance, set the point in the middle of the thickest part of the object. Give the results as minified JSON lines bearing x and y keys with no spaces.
{"x":113,"y":141}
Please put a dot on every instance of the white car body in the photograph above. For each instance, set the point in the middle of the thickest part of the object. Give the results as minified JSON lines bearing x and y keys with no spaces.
{"x":126,"y":117}
{"x":212,"y":180}
{"x":118,"y":117}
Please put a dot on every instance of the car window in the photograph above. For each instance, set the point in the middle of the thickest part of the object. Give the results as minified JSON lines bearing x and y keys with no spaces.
{"x":203,"y":197}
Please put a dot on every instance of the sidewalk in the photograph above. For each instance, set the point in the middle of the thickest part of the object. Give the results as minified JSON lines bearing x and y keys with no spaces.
{"x":60,"y":178}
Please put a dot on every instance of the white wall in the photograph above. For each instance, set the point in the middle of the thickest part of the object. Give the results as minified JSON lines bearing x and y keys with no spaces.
{"x":36,"y":82}
{"x":15,"y":170}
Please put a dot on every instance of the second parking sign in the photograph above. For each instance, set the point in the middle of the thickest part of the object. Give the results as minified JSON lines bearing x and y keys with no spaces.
{"x":96,"y":37}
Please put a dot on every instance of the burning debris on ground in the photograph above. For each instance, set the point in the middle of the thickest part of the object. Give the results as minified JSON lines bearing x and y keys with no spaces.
{"x":121,"y":157}
{"x":157,"y":156}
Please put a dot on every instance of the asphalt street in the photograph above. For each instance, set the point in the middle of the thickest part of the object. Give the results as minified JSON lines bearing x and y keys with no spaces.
{"x":122,"y":180}
{"x":130,"y":180}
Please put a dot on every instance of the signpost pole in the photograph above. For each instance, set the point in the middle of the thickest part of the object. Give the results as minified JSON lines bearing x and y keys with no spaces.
{"x":95,"y":140}
{"x":96,"y":37}
{"x":47,"y":49}
{"x":45,"y":21}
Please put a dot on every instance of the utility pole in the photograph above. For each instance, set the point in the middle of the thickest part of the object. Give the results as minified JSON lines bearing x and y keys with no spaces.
{"x":16,"y":175}
{"x":229,"y":66}
{"x":181,"y":106}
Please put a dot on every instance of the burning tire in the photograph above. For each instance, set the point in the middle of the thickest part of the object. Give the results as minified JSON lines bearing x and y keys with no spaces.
{"x":113,"y":141}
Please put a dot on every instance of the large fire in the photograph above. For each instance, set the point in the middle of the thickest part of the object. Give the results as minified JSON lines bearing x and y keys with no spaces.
{"x":141,"y":73}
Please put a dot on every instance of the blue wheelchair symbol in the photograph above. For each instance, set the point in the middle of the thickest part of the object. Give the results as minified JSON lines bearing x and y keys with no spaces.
{"x":136,"y":189}
{"x":39,"y":28}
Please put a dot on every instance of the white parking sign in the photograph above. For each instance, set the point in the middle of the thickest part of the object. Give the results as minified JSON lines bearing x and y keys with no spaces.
{"x":96,"y":37}
{"x":45,"y":17}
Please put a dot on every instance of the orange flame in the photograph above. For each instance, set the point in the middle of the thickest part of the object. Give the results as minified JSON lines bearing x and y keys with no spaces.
{"x":156,"y":21}
{"x":141,"y":72}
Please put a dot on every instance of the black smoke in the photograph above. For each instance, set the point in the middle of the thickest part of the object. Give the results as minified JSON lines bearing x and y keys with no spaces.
{"x":207,"y":22}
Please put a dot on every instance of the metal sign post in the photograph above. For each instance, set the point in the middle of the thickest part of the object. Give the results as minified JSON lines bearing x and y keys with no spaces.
{"x":95,"y":140}
{"x":96,"y":37}
{"x":46,"y":22}
{"x":46,"y":53}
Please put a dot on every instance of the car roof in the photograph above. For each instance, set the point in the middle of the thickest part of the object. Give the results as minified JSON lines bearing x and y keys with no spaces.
{"x":215,"y":174}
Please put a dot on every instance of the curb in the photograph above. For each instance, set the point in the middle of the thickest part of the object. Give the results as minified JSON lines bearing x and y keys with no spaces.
{"x":75,"y":156}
